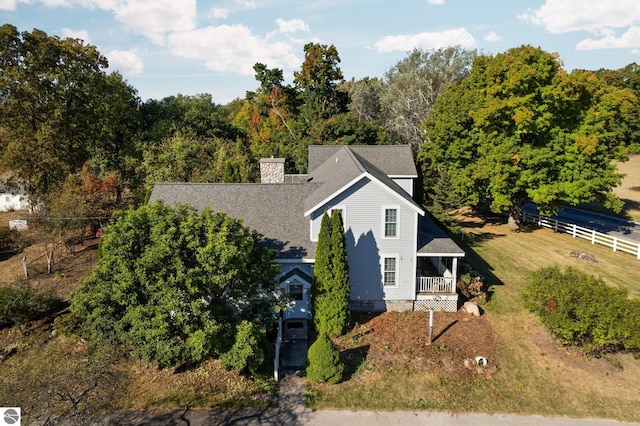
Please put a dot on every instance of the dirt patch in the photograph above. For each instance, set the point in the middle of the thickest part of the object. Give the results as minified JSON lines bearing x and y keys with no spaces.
{"x":402,"y":339}
{"x":550,"y":353}
{"x":71,"y":266}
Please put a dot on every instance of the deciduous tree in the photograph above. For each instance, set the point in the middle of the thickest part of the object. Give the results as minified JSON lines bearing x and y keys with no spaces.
{"x":49,"y":110}
{"x":412,"y":86}
{"x":519,"y":128}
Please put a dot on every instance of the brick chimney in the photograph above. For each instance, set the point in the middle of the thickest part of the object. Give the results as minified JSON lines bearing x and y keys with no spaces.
{"x":272,"y":170}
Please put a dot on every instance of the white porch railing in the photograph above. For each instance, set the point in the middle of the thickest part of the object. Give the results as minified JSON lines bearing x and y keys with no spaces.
{"x":436,"y":285}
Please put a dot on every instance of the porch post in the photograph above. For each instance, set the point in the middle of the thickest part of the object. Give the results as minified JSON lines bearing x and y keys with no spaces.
{"x":455,"y":270}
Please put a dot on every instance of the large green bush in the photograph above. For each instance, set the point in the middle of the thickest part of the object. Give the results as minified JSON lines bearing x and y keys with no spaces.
{"x":172,"y":284}
{"x":9,"y":239}
{"x":323,"y":361}
{"x":581,"y":309}
{"x":20,"y":303}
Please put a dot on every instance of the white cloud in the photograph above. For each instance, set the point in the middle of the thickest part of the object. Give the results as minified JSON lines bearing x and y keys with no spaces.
{"x":291,"y":26}
{"x":435,"y":1}
{"x":151,"y":18}
{"x":7,"y":4}
{"x":491,"y":37}
{"x":249,"y":4}
{"x":81,"y":34}
{"x":561,"y":16}
{"x":630,"y":39}
{"x":126,"y":61}
{"x":155,"y":18}
{"x":430,"y":40}
{"x":219,"y":13}
{"x":231,"y":49}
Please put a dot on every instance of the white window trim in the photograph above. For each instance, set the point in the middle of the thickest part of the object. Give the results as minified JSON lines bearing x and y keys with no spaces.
{"x":395,"y":256}
{"x":313,"y":237}
{"x":383,"y":220}
{"x":343,"y":210}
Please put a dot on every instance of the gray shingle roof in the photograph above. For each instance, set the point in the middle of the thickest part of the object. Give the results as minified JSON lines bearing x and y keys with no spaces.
{"x":342,"y":167}
{"x":274,"y":210}
{"x":393,"y":160}
{"x":432,"y":240}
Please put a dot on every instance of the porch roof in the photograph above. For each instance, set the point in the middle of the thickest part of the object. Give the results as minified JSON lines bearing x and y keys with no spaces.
{"x":432,"y":241}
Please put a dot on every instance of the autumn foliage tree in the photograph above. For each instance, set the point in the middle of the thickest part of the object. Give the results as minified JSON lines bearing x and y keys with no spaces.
{"x":519,"y":128}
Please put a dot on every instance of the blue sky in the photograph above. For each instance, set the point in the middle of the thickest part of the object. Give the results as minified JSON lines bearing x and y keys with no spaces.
{"x":166,"y":47}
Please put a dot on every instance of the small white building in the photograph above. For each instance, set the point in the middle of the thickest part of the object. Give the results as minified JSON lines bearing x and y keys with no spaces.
{"x":12,"y":198}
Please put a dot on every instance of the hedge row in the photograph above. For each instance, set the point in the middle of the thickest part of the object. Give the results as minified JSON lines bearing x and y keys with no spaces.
{"x":582,"y":310}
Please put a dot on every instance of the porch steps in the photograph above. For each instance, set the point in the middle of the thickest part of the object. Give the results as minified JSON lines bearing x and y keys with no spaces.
{"x":295,"y":343}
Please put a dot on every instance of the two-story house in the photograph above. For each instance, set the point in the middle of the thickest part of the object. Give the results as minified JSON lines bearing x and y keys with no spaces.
{"x":398,"y":258}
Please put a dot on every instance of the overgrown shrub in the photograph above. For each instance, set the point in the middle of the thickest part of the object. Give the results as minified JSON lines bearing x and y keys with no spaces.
{"x":69,"y":324}
{"x":250,"y":353}
{"x":581,"y":309}
{"x":9,"y":239}
{"x":323,"y":361}
{"x":20,"y":303}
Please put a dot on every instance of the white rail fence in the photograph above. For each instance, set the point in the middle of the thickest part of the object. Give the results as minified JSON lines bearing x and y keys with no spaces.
{"x":617,"y":244}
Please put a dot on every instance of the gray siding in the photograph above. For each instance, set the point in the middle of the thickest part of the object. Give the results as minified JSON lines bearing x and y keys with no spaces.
{"x":364,"y":203}
{"x":406,"y":184}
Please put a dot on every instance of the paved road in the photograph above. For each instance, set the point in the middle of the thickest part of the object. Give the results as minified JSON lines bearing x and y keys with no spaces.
{"x":343,"y":417}
{"x":610,"y":225}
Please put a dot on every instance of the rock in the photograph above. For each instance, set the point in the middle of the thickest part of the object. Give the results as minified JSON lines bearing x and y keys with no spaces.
{"x":472,"y":308}
{"x":584,"y":256}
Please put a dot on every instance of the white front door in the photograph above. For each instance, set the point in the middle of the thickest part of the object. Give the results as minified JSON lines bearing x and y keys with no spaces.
{"x":300,"y":295}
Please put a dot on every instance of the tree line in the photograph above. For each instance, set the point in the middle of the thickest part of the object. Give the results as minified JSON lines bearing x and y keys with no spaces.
{"x":486,"y":129}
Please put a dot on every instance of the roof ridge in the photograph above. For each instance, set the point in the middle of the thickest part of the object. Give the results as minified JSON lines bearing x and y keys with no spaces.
{"x":358,"y":161}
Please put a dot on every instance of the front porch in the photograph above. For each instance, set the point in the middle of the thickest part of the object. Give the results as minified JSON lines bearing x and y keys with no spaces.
{"x":436,"y":274}
{"x":436,"y":290}
{"x":437,"y":269}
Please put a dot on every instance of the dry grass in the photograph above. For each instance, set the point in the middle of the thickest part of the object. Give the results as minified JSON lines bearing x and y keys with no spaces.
{"x":107,"y":382}
{"x":540,"y":376}
{"x":629,"y":191}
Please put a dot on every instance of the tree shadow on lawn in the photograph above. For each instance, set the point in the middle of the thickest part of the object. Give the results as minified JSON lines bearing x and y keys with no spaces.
{"x":353,"y":359}
{"x":478,"y":263}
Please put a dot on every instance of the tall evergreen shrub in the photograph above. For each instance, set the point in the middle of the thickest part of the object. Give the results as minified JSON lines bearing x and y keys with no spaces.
{"x":321,"y":273}
{"x":330,"y":289}
{"x":338,"y":304}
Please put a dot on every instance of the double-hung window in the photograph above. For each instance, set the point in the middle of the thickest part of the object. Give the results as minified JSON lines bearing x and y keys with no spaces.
{"x":390,"y":222}
{"x":390,"y":271}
